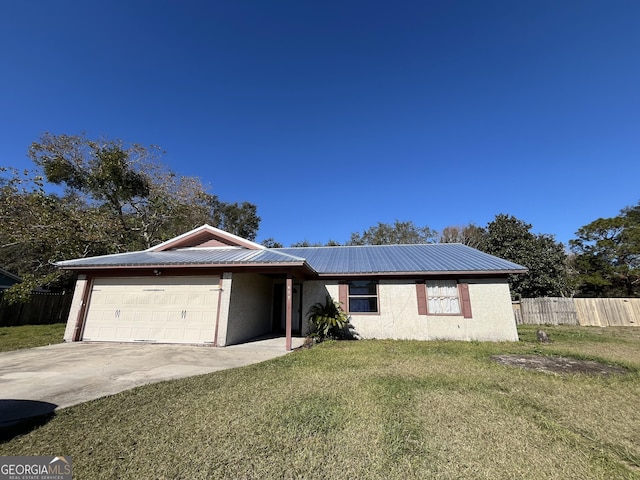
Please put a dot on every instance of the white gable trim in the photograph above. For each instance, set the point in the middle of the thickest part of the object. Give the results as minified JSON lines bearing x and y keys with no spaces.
{"x":235,"y":239}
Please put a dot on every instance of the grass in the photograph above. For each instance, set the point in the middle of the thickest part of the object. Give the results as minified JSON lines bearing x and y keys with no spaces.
{"x":371,"y":410}
{"x":29,"y":336}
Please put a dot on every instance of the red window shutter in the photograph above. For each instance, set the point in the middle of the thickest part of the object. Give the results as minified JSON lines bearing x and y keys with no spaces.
{"x":343,"y":292}
{"x":421,"y":293}
{"x":463,"y":288}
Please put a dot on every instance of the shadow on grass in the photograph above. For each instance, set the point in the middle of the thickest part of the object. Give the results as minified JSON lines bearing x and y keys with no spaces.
{"x":18,"y":417}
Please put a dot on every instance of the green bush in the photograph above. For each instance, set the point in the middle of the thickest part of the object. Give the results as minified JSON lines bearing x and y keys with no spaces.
{"x":328,"y":320}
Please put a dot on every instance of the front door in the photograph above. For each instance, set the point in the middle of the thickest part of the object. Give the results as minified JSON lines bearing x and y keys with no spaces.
{"x":296,"y":309}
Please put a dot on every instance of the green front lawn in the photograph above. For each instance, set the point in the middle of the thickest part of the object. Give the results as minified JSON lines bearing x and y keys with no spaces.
{"x":370,"y":409}
{"x":29,"y":336}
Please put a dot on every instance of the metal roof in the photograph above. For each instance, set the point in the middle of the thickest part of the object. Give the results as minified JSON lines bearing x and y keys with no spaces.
{"x":190,"y":256}
{"x":354,"y":260}
{"x":388,"y":259}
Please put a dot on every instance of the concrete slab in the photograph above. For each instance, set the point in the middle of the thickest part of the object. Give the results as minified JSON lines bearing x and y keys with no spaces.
{"x":70,"y":373}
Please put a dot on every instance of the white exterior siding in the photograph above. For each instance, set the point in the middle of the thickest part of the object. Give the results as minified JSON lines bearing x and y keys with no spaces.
{"x":223,"y":308}
{"x":399,"y":319}
{"x":495,"y":312}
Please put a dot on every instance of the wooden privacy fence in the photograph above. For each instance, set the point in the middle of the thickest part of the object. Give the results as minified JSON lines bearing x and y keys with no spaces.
{"x":600,"y":312}
{"x":547,"y":310}
{"x":608,"y":312}
{"x":41,"y":309}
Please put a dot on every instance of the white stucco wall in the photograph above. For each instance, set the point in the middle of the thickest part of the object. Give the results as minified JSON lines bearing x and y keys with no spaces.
{"x":492,"y":319}
{"x":76,"y":306}
{"x":225,"y":301}
{"x":313,"y":292}
{"x":249,"y":313}
{"x":492,"y":299}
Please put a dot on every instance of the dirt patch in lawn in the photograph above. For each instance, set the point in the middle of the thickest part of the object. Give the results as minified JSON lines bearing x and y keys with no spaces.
{"x":558,"y":364}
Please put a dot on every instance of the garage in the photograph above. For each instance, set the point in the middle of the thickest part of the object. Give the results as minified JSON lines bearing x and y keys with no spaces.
{"x":152,"y":309}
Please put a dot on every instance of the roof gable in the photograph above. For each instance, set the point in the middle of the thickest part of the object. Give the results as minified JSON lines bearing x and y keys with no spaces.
{"x":206,"y":236}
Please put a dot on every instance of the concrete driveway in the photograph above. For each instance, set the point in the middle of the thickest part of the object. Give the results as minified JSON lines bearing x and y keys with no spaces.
{"x":35,"y":380}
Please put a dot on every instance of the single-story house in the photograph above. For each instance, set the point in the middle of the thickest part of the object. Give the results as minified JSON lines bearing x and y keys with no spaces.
{"x":8,"y":279}
{"x":211,"y":287}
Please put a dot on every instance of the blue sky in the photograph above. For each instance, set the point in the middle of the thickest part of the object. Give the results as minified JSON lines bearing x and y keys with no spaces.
{"x":332,"y":116}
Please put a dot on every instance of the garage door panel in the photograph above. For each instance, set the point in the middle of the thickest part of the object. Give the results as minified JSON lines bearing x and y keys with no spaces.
{"x":160,"y":316}
{"x":126,"y":299}
{"x":190,"y":334}
{"x":102,"y":324}
{"x":174,"y":334}
{"x":99,"y":299}
{"x":171,"y":309}
{"x":107,"y":332}
{"x":123,"y":332}
{"x":137,"y":333}
{"x":111,"y":298}
{"x":157,"y":332}
{"x":198,"y":299}
{"x":162,"y":300}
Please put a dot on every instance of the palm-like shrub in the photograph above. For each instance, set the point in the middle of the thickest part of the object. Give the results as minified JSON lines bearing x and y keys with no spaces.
{"x":329,"y":320}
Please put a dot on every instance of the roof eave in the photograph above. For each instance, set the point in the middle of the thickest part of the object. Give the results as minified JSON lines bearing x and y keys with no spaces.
{"x":422,"y":273}
{"x":188,"y":265}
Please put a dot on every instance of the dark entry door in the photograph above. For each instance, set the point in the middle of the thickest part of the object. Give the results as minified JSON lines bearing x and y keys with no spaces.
{"x":280,"y":308}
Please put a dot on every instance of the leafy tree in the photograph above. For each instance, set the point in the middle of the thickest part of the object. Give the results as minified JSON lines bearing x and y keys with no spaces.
{"x":238,"y":218}
{"x":607,"y":255}
{"x":305,"y":243}
{"x":271,"y":243}
{"x":470,"y":235}
{"x":398,"y":233}
{"x":102,"y":173}
{"x":149,"y":202}
{"x":510,"y":238}
{"x":39,"y":229}
{"x":116,"y":197}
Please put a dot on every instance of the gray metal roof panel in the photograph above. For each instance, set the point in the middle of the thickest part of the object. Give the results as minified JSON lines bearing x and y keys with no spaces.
{"x":196,"y":256}
{"x":437,"y":257}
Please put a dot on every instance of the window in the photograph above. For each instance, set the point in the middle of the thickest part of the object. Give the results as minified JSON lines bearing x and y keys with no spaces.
{"x":363,"y":296}
{"x":442,"y":297}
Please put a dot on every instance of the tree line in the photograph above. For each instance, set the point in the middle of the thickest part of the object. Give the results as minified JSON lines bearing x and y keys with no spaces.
{"x":602,"y":261}
{"x":88,"y":197}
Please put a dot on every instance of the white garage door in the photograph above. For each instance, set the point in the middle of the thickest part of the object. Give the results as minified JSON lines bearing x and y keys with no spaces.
{"x":152,"y":309}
